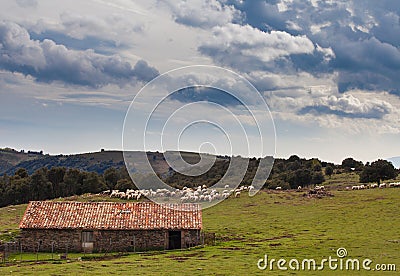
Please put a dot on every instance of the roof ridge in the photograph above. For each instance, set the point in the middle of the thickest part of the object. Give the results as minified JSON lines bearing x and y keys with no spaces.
{"x":108,"y":215}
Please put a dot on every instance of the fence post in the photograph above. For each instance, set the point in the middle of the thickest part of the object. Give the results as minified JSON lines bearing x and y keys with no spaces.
{"x":37,"y":252}
{"x":52,"y":250}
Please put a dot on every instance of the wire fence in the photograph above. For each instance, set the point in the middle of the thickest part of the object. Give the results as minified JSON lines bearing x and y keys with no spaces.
{"x":13,"y":252}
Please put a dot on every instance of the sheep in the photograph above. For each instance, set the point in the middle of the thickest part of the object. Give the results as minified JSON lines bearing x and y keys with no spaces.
{"x":199,"y":194}
{"x":299,"y":188}
{"x":226,"y":186}
{"x":114,"y":193}
{"x":184,"y":198}
{"x":355,"y":187}
{"x":383,"y":185}
{"x":278,"y":188}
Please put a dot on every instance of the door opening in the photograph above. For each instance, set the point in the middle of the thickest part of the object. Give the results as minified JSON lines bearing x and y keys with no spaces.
{"x":174,"y":240}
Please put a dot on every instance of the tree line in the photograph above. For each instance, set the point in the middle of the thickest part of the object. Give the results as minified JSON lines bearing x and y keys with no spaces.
{"x":58,"y":182}
{"x":288,"y":173}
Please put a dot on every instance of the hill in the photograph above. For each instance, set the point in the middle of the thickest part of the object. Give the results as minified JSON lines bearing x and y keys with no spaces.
{"x":282,"y":224}
{"x":11,"y":160}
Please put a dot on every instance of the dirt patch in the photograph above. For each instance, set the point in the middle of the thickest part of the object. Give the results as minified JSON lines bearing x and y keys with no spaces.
{"x":231,"y":248}
{"x":253,"y":244}
{"x":317,"y":194}
{"x":179,"y":259}
{"x":275,"y":244}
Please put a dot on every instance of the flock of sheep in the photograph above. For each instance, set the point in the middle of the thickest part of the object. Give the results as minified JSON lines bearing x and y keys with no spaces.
{"x":204,"y":194}
{"x":199,"y":194}
{"x":374,"y":186}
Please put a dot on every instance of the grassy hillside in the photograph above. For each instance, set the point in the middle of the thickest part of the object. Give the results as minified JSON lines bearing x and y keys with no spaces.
{"x":282,"y":224}
{"x":11,"y":160}
{"x":10,"y":217}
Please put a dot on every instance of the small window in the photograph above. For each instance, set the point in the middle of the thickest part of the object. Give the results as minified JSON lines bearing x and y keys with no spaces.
{"x":132,"y":243}
{"x":87,"y":236}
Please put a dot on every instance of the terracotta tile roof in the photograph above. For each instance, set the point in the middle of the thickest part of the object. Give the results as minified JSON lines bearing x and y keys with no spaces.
{"x":111,"y":215}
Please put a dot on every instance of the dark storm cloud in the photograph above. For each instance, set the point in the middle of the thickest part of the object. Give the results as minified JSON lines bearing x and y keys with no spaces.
{"x":48,"y":61}
{"x":363,"y":35}
{"x":208,"y":94}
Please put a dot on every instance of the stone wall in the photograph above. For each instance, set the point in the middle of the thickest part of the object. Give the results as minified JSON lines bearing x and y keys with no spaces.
{"x":129,"y":240}
{"x":103,"y":240}
{"x":33,"y":240}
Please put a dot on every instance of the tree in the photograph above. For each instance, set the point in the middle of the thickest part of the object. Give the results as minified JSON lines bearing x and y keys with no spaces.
{"x":124,"y":184}
{"x":111,"y":177}
{"x":22,"y":173}
{"x":56,"y":177}
{"x":92,"y":183}
{"x":317,"y":178}
{"x":73,"y":180}
{"x":377,"y":171}
{"x":300,"y":177}
{"x":329,"y":171}
{"x":41,"y":188}
{"x":349,"y":163}
{"x":293,"y":158}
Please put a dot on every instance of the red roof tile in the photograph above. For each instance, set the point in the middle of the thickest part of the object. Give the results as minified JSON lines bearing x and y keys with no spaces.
{"x":110,"y":215}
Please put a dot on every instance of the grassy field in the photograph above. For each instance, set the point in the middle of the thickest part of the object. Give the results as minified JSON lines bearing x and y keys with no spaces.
{"x":282,"y":224}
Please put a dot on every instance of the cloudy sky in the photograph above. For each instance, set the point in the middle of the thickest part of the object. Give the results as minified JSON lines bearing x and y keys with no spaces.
{"x":328,"y":70}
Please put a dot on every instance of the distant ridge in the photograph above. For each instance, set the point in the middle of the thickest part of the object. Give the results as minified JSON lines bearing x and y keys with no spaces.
{"x":11,"y":160}
{"x":395,"y":161}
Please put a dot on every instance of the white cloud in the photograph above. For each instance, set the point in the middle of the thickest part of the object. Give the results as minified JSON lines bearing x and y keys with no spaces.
{"x":352,"y":105}
{"x":200,"y":13}
{"x":242,"y":46}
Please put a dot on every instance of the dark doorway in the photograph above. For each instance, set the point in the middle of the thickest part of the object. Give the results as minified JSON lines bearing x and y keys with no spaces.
{"x":174,"y":240}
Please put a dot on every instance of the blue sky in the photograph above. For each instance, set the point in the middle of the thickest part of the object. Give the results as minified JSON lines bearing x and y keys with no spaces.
{"x":328,"y":70}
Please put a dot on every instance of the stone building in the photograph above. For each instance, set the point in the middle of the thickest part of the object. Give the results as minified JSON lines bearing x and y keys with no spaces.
{"x":109,"y":226}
